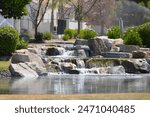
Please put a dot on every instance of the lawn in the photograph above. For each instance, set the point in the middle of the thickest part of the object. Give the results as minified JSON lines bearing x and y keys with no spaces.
{"x":4,"y":65}
{"x":122,"y":96}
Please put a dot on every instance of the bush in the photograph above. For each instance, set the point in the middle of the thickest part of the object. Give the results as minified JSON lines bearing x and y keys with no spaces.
{"x":8,"y":40}
{"x":144,"y":31}
{"x":66,"y":37}
{"x":87,"y":34}
{"x":113,"y":32}
{"x":70,"y":33}
{"x":39,"y":37}
{"x":23,"y":44}
{"x":132,"y":37}
{"x":47,"y":36}
{"x":26,"y":32}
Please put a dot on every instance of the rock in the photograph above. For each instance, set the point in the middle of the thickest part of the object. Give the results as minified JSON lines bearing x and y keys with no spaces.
{"x":81,"y":42}
{"x":22,"y":70}
{"x":74,"y":72}
{"x":108,"y":42}
{"x":66,"y":67}
{"x":116,"y":55}
{"x":144,"y":49}
{"x":20,"y":58}
{"x":84,"y":47}
{"x":33,"y":50}
{"x":5,"y":74}
{"x":140,"y":54}
{"x":97,"y":46}
{"x":81,"y":53}
{"x":36,"y":67}
{"x":116,"y":70}
{"x":55,"y":51}
{"x":117,"y":42}
{"x":128,"y":48}
{"x":136,"y":66}
{"x":115,"y":49}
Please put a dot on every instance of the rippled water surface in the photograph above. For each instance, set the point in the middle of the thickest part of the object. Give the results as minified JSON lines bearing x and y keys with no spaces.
{"x":81,"y":84}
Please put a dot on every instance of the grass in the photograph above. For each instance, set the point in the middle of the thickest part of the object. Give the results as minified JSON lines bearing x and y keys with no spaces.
{"x":4,"y":87}
{"x":122,"y":96}
{"x":4,"y":65}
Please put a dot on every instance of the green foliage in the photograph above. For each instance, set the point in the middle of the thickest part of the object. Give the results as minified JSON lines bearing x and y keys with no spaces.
{"x":87,"y":34}
{"x":66,"y":37}
{"x":144,"y":31}
{"x":132,"y":37}
{"x":70,"y":32}
{"x":47,"y":36}
{"x":26,"y":32}
{"x":8,"y":40}
{"x":13,"y":8}
{"x":22,"y":44}
{"x":113,"y":32}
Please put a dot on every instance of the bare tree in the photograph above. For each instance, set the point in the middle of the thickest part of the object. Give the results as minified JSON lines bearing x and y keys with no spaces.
{"x":82,"y":7}
{"x":37,"y":11}
{"x":102,"y":14}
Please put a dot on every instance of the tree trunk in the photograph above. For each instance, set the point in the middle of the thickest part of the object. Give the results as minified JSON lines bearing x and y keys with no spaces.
{"x":79,"y":25}
{"x":102,"y":28}
{"x":52,"y":21}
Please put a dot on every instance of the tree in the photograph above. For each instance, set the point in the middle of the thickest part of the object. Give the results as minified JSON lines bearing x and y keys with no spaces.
{"x":102,"y":14}
{"x":82,"y":7}
{"x":37,"y":11}
{"x":13,"y":8}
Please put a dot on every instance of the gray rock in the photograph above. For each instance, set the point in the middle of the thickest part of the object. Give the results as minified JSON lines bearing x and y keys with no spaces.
{"x":20,"y":58}
{"x":128,"y":48}
{"x":84,"y":47}
{"x":22,"y":70}
{"x":116,"y":55}
{"x":81,"y":53}
{"x":55,"y":51}
{"x":140,"y":54}
{"x":116,"y":70}
{"x":81,"y":42}
{"x":145,"y":49}
{"x":66,"y":67}
{"x":74,"y":72}
{"x":97,"y":46}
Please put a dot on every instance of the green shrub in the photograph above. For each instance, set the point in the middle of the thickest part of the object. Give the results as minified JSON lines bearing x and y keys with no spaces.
{"x":8,"y":40}
{"x":47,"y":36}
{"x":87,"y":34}
{"x":66,"y":37}
{"x":23,"y":44}
{"x":113,"y":32}
{"x":70,"y":33}
{"x":144,"y":31}
{"x":26,"y":32}
{"x":132,"y":37}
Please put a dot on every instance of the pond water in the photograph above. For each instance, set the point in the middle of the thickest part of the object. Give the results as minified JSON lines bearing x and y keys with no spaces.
{"x":81,"y":84}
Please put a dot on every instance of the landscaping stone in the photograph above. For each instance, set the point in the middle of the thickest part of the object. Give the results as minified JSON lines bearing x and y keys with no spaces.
{"x":116,"y":70}
{"x":81,"y":42}
{"x":81,"y":53}
{"x":66,"y":67}
{"x":97,"y":46}
{"x":140,"y":54}
{"x":128,"y":48}
{"x":116,"y":55}
{"x":22,"y":70}
{"x":54,"y":51}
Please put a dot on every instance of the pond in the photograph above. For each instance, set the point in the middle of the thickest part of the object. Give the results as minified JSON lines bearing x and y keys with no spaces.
{"x":78,"y":84}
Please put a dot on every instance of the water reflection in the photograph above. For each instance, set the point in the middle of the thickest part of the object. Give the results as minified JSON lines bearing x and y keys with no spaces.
{"x":74,"y":84}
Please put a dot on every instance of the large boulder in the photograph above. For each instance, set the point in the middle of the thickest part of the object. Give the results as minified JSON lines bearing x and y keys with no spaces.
{"x":81,"y":53}
{"x":22,"y":70}
{"x":54,"y":51}
{"x":140,"y":54}
{"x":116,"y":55}
{"x":128,"y":48}
{"x":97,"y":46}
{"x":81,"y":42}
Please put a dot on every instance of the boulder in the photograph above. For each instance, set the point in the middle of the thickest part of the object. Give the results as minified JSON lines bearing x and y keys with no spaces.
{"x":97,"y":46}
{"x":20,"y":58}
{"x":117,"y":42}
{"x":81,"y":42}
{"x":136,"y":66}
{"x":22,"y":70}
{"x":116,"y":70}
{"x":140,"y":54}
{"x":81,"y":53}
{"x":128,"y":48}
{"x":116,"y":55}
{"x":72,"y":71}
{"x":66,"y":67}
{"x":55,"y":51}
{"x":145,"y":49}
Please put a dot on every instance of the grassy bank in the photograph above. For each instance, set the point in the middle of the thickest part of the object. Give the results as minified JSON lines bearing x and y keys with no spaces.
{"x":123,"y":96}
{"x":4,"y":65}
